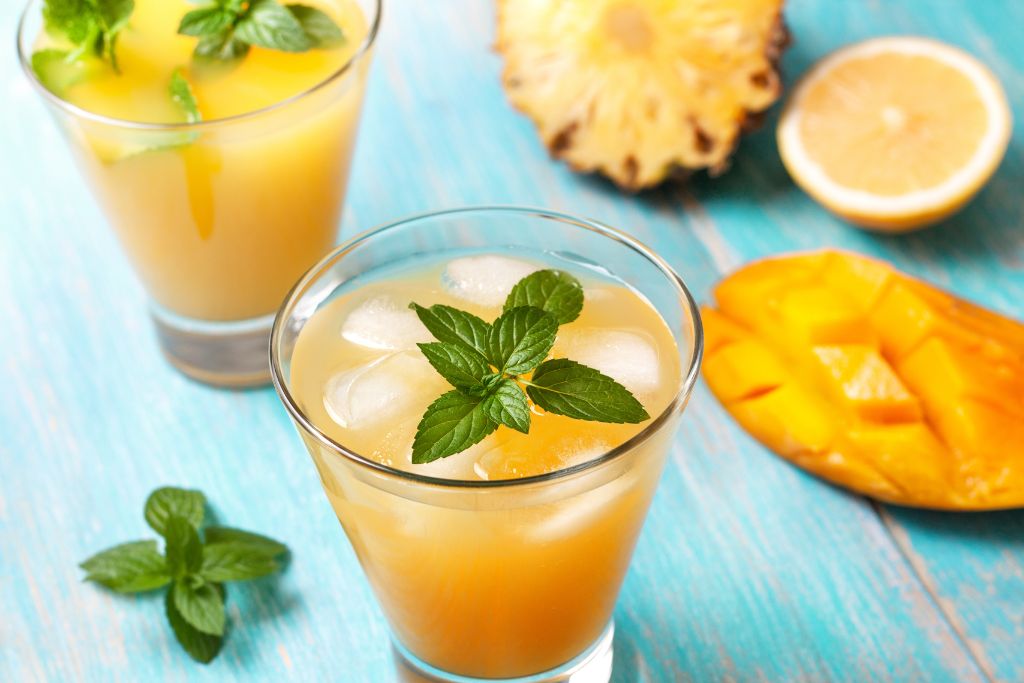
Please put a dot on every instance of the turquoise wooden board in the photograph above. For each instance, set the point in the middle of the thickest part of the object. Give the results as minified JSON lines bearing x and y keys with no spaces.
{"x":748,"y":569}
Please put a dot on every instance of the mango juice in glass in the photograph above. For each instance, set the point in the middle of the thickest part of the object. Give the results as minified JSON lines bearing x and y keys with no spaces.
{"x":220,"y":202}
{"x":504,"y":560}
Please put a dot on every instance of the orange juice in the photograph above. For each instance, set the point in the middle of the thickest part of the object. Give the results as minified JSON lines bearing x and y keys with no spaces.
{"x":485,"y":580}
{"x":221,"y":218}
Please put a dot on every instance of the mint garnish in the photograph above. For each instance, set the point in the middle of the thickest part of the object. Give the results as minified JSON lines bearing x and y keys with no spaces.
{"x":450,"y":425}
{"x":181,"y":94}
{"x":462,"y":368}
{"x":227,"y":28}
{"x":553,"y":291}
{"x":487,"y":364}
{"x":320,"y":29}
{"x":451,"y":325}
{"x":507,"y":405}
{"x":196,"y":562}
{"x":88,"y":25}
{"x":565,"y":387}
{"x":520,"y":339}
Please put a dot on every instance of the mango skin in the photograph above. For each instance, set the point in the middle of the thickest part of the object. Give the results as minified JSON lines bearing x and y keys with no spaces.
{"x":872,"y":380}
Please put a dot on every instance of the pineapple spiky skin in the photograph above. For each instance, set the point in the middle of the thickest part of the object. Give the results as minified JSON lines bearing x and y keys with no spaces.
{"x":642,"y":90}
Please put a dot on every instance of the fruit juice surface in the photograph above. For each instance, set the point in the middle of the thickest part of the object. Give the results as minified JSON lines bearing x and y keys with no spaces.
{"x":498,"y":582}
{"x":221,"y":220}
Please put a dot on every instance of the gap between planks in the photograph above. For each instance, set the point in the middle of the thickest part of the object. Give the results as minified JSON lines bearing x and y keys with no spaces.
{"x":902,"y":542}
{"x":725,"y":259}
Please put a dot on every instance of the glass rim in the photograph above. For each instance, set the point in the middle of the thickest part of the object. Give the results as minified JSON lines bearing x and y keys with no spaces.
{"x":68,"y":107}
{"x":686,"y":384}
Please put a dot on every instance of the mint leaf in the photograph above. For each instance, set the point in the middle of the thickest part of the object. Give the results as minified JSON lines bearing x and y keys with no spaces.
{"x":321,"y":30}
{"x":113,"y":17}
{"x":167,"y":501}
{"x":202,"y":647}
{"x":450,"y":424}
{"x":206,"y":21}
{"x":451,"y":325}
{"x":183,"y":548}
{"x":508,"y":406}
{"x":462,"y":368}
{"x":57,"y":70}
{"x":521,"y":338}
{"x":236,"y":561}
{"x":268,"y":24}
{"x":76,"y":20}
{"x":224,"y":534}
{"x":128,"y":568}
{"x":222,"y":46}
{"x":114,"y":14}
{"x":554,"y":291}
{"x":565,"y":387}
{"x":201,"y":606}
{"x":88,"y":24}
{"x":182,"y":95}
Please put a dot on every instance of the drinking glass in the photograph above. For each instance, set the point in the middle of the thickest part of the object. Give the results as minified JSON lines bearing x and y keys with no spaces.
{"x":512,"y":580}
{"x":219,"y":218}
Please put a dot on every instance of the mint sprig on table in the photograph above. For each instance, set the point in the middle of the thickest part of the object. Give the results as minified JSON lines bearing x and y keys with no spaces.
{"x":195,"y":564}
{"x":488,"y":363}
{"x":227,"y":28}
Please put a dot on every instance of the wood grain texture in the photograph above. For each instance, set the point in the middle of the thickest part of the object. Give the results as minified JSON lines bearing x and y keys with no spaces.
{"x":748,"y":569}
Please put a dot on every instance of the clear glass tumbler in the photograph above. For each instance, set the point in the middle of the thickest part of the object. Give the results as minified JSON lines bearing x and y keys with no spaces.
{"x":220,"y":217}
{"x":512,"y":580}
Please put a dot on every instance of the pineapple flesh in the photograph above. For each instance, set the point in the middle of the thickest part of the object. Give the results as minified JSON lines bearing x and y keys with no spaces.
{"x":641,"y":89}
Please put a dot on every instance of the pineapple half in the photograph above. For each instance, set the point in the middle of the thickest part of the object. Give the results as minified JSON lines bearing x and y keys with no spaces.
{"x":641,"y":89}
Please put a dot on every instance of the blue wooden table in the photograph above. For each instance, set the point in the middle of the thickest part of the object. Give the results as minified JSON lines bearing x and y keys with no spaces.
{"x":747,"y":570}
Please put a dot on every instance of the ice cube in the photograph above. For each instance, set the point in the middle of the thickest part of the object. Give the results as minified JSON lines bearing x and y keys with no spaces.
{"x":484,"y":280}
{"x":628,"y":357}
{"x":381,"y":322}
{"x":393,"y":447}
{"x":510,"y":462}
{"x":458,"y":466}
{"x":383,"y":389}
{"x":568,"y":517}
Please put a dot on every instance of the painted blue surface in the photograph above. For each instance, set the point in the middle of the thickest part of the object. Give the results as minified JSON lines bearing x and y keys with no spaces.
{"x":748,"y":569}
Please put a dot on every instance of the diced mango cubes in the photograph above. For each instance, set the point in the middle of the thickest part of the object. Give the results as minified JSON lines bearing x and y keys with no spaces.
{"x":872,"y":380}
{"x":859,"y":377}
{"x":744,"y":370}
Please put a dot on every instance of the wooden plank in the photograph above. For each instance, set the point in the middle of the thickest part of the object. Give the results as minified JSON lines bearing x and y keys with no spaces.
{"x":747,"y":570}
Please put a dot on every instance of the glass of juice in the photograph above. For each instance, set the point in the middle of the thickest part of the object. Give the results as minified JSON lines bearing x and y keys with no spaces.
{"x":503,"y":561}
{"x":219,"y":209}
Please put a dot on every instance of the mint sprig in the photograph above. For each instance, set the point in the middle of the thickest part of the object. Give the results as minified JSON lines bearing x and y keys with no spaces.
{"x":487,"y":364}
{"x":195,"y":564}
{"x":88,"y":25}
{"x":228,"y":28}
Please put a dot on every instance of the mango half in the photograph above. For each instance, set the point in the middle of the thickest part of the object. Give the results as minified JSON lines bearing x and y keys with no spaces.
{"x":871,"y":379}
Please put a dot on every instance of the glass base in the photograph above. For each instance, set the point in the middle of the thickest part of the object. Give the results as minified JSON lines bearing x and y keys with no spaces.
{"x":593,"y":666}
{"x":224,"y":354}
